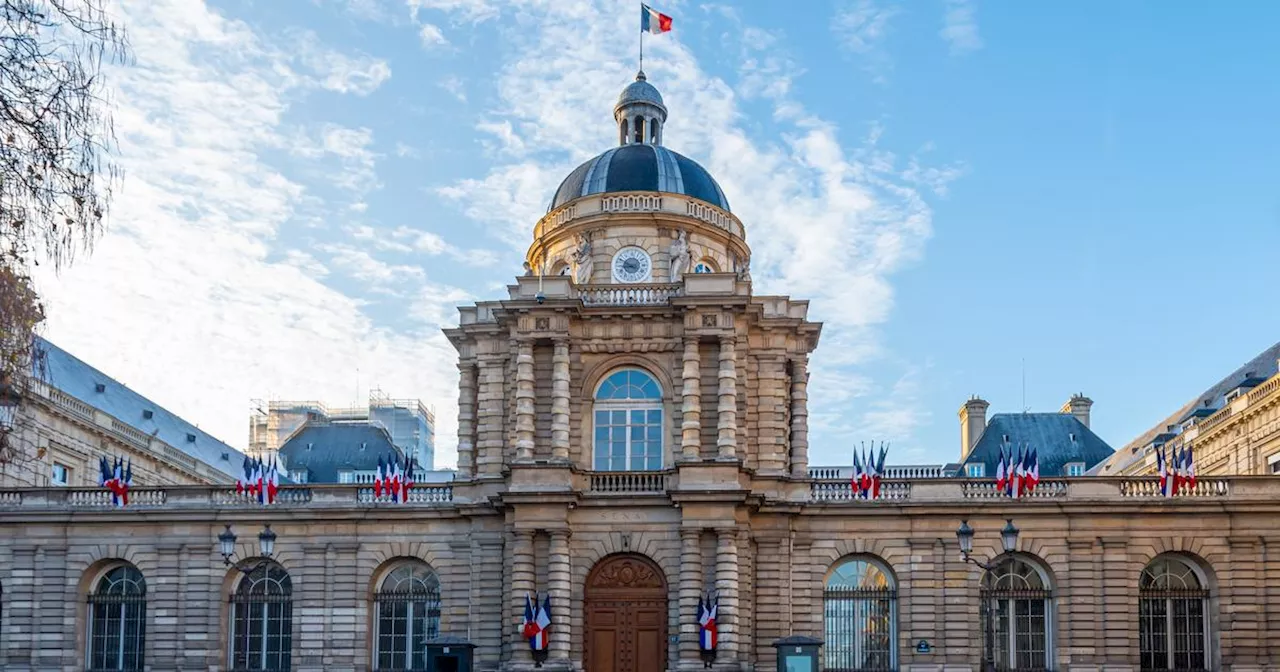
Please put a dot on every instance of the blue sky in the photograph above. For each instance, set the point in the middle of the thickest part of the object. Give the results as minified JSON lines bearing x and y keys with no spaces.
{"x":312,"y":186}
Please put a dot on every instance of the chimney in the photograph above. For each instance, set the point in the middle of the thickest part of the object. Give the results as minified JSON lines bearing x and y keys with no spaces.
{"x":973,"y":420}
{"x":1078,"y":406}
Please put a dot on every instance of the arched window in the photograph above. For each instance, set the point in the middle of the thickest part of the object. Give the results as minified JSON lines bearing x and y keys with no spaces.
{"x":653,"y":131}
{"x":860,"y":617}
{"x":262,"y":620}
{"x":407,"y":605}
{"x":1018,"y":593}
{"x":639,"y":130}
{"x":628,"y":422}
{"x":704,"y":266}
{"x":118,"y":620}
{"x":1173,"y":631}
{"x":622,"y":132}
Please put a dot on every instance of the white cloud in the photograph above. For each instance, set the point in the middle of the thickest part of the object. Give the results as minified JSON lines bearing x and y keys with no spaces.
{"x":960,"y":26}
{"x":183,"y":299}
{"x":467,"y":10}
{"x":431,"y":243}
{"x":455,"y":87}
{"x":828,"y":221}
{"x":862,"y":27}
{"x":432,"y":36}
{"x":356,"y":171}
{"x":406,"y":152}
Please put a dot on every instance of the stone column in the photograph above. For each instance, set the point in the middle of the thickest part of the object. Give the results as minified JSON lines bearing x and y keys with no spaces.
{"x":800,"y":418}
{"x":727,"y":587}
{"x":522,"y":584}
{"x":560,"y":401}
{"x":524,"y":401}
{"x":728,"y":425}
{"x":491,"y":422}
{"x":690,"y":591}
{"x":466,"y":419}
{"x":559,"y":580}
{"x":691,"y":408}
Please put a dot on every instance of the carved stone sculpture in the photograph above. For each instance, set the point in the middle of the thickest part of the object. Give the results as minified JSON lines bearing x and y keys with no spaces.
{"x":679,"y":256}
{"x":582,"y":262}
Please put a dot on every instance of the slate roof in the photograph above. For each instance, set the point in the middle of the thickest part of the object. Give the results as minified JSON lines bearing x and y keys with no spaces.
{"x":95,"y":388}
{"x":1251,"y":373}
{"x":324,"y":449}
{"x":1058,"y":438}
{"x":640,"y":167}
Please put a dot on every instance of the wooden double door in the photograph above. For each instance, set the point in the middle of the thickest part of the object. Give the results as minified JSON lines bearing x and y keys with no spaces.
{"x":626,"y":616}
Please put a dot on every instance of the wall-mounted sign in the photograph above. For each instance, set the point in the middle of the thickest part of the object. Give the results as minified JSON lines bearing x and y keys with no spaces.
{"x":923,"y":646}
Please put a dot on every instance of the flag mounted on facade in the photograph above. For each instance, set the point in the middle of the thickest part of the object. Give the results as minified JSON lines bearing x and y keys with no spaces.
{"x":537,"y":620}
{"x":1162,"y":472}
{"x":708,"y":636}
{"x":1190,"y":469}
{"x":378,"y":479}
{"x":1001,"y":469}
{"x":653,"y":21}
{"x":877,"y":474}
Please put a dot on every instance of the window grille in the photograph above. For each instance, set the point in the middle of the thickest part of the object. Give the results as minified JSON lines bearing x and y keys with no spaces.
{"x":1017,"y":595}
{"x":1173,"y":631}
{"x":262,"y":621}
{"x":860,"y":607}
{"x":117,"y":622}
{"x":407,"y":608}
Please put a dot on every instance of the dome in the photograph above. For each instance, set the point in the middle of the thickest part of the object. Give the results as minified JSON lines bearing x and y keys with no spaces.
{"x":639,"y":91}
{"x":640,"y":167}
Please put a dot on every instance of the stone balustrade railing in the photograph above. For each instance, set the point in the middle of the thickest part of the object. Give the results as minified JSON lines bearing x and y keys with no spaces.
{"x":957,"y":490}
{"x":673,"y":204}
{"x":1264,"y":389}
{"x":199,"y":496}
{"x":629,"y":482}
{"x":645,"y":294}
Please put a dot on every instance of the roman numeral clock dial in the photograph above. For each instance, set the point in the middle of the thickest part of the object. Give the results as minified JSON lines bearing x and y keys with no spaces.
{"x":632,"y":264}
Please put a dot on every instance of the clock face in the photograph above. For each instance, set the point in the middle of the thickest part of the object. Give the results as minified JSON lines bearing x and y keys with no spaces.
{"x":631,"y":264}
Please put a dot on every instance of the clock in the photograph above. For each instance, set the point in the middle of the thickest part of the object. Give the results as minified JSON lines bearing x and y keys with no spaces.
{"x":632,"y":264}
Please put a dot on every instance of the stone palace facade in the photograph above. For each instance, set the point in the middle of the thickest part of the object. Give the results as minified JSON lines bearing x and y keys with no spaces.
{"x":633,"y":434}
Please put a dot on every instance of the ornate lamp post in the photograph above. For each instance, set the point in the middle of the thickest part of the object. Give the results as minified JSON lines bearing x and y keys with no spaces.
{"x":266,"y":548}
{"x":1009,"y":540}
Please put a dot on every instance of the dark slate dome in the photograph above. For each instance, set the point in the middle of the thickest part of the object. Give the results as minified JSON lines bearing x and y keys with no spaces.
{"x":640,"y":167}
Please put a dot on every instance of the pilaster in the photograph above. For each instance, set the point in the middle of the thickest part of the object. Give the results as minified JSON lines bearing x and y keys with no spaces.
{"x":800,"y":417}
{"x":691,"y":405}
{"x":491,"y":423}
{"x":1080,"y":609}
{"x":466,"y":418}
{"x":560,"y":401}
{"x":524,"y":401}
{"x":727,"y":442}
{"x":558,"y":585}
{"x":522,"y":584}
{"x":727,"y":620}
{"x":690,"y":592}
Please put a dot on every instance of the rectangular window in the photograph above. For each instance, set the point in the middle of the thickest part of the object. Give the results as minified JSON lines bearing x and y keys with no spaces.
{"x":346,"y":477}
{"x":1075,"y":469}
{"x":628,"y":440}
{"x":1273,"y":464}
{"x":60,"y":474}
{"x":975,"y":469}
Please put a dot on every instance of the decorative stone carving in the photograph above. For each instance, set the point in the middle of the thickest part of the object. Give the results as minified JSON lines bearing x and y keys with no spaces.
{"x":679,"y":256}
{"x":582,"y":262}
{"x":626,"y":573}
{"x":528,"y":270}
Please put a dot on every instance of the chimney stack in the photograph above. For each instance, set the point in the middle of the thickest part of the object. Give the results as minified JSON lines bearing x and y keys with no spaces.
{"x":1078,"y":406}
{"x":973,"y":421}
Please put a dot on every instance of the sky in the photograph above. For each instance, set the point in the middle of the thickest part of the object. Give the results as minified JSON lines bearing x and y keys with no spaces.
{"x":1016,"y":200}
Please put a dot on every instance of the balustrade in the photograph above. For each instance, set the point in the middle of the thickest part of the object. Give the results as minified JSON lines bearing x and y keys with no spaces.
{"x":843,"y":491}
{"x":628,"y":482}
{"x":1150,"y":487}
{"x":650,"y":294}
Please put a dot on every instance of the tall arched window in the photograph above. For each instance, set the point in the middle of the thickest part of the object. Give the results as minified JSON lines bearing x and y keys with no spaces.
{"x":262,"y":620}
{"x":407,"y":605}
{"x":628,"y":422}
{"x":860,"y":617}
{"x":118,"y":621}
{"x":1019,"y":595}
{"x":704,"y":266}
{"x":1173,"y":630}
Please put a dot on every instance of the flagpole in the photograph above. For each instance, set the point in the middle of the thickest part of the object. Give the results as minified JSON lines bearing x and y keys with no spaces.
{"x":642,"y":49}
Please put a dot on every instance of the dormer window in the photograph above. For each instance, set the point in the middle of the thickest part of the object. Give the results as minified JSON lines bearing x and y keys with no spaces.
{"x":975,"y":470}
{"x":1073,"y":469}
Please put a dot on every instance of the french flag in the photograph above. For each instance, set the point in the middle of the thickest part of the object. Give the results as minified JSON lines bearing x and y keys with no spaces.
{"x":377,"y":479}
{"x":653,"y":21}
{"x":1162,"y":470}
{"x":1000,"y":471}
{"x":707,"y":634}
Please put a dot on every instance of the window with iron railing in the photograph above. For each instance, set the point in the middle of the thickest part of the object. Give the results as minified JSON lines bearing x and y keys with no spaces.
{"x":860,"y":608}
{"x":117,"y":622}
{"x":407,"y":616}
{"x":262,"y":621}
{"x":1173,"y":630}
{"x":1017,"y":594}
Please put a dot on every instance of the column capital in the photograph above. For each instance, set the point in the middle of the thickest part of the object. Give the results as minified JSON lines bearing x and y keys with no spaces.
{"x":560,"y":533}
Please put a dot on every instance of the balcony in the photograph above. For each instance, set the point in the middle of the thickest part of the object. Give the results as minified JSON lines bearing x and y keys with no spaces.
{"x":217,"y":497}
{"x":644,"y":294}
{"x":1058,"y":490}
{"x":628,"y":482}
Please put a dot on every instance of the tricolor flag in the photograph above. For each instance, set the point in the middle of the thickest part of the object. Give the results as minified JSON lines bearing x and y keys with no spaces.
{"x":878,"y":474}
{"x":855,"y":481}
{"x":1177,"y":469}
{"x":1033,"y":475}
{"x":1191,"y":469}
{"x":653,"y":21}
{"x":377,"y":479}
{"x":543,"y":622}
{"x":537,"y":621}
{"x":865,"y":479}
{"x":126,"y":483}
{"x":528,"y":627}
{"x":273,"y":482}
{"x":1000,"y":471}
{"x":708,"y":608}
{"x":408,"y":478}
{"x":1162,"y":470}
{"x":395,"y":478}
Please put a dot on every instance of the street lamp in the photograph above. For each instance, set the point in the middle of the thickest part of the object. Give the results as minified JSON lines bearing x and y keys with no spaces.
{"x":1009,"y":540}
{"x":266,"y":548}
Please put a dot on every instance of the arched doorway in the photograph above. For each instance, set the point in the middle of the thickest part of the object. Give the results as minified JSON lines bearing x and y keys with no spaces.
{"x":626,"y":616}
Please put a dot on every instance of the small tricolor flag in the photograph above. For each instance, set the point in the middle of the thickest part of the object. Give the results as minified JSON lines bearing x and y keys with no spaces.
{"x":653,"y":21}
{"x":708,"y":609}
{"x":537,"y":622}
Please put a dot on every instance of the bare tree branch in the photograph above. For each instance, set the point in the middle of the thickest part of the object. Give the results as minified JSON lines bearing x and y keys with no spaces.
{"x":56,"y":174}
